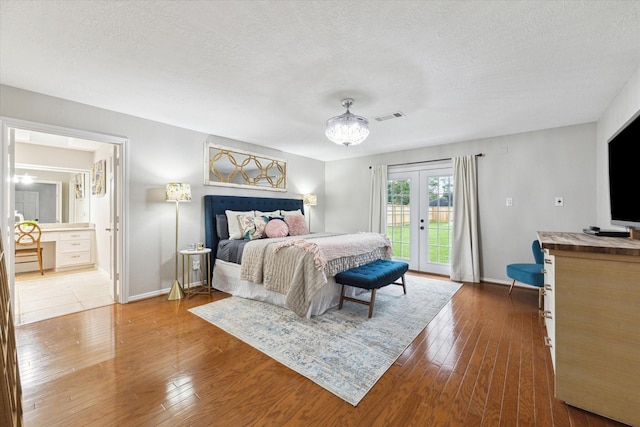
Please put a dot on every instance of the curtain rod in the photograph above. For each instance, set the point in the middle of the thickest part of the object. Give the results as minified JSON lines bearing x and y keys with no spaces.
{"x":428,"y":161}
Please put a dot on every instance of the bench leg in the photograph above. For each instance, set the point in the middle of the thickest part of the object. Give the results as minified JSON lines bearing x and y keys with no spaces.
{"x":373,"y":300}
{"x":403,"y":284}
{"x":341,"y":298}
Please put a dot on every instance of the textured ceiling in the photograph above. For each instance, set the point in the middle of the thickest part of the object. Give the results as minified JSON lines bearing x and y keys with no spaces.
{"x":272,"y":72}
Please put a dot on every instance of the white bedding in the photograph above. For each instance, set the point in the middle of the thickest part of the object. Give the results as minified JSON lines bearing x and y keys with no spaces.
{"x":226,"y":278}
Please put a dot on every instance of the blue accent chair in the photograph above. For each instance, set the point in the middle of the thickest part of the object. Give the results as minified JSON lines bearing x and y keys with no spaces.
{"x":529,"y":274}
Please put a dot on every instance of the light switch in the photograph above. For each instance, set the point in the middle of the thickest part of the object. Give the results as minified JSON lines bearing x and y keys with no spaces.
{"x":509,"y":201}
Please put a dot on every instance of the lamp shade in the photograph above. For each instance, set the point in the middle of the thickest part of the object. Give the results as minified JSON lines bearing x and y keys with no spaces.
{"x":178,"y":192}
{"x":310,"y":199}
{"x":347,"y":129}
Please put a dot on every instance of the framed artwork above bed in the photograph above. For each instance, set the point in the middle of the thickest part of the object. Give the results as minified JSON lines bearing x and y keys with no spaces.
{"x":238,"y":168}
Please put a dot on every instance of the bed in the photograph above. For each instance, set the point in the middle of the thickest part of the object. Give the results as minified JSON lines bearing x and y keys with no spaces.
{"x":296,"y":272}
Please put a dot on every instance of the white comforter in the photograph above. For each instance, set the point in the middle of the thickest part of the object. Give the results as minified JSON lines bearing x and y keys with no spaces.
{"x":299,"y":266}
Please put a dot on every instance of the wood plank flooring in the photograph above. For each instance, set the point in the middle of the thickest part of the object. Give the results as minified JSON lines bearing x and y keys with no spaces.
{"x":480,"y":362}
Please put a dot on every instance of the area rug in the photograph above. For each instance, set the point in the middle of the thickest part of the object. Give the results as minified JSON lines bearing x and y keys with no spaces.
{"x":342,"y":351}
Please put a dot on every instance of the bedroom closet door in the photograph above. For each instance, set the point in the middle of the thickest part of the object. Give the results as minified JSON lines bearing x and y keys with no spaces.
{"x":420,"y":216}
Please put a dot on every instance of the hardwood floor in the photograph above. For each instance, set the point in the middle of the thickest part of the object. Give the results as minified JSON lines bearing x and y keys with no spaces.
{"x":480,"y":362}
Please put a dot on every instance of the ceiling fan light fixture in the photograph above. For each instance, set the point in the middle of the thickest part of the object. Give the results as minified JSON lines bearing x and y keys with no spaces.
{"x":347,"y":129}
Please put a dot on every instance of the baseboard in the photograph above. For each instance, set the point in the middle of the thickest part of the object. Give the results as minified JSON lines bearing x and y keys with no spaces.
{"x":157,"y":293}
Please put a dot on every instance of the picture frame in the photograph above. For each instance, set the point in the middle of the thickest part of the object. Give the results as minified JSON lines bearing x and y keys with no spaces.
{"x":98,"y":179}
{"x":227,"y":166}
{"x":78,"y":185}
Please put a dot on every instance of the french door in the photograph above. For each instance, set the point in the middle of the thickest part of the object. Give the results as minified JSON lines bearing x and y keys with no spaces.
{"x":420,"y":217}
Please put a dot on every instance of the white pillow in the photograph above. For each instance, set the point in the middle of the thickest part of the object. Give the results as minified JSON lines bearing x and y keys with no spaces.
{"x":235,"y":232}
{"x":267,"y":214}
{"x":296,"y":212}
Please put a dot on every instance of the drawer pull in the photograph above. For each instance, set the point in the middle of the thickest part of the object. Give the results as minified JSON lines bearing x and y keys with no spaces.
{"x":547,"y":261}
{"x":548,"y":287}
{"x":544,"y":271}
{"x":548,"y":342}
{"x":547,"y":314}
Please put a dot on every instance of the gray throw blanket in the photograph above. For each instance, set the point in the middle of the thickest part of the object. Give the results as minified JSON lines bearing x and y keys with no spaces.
{"x":298,"y":266}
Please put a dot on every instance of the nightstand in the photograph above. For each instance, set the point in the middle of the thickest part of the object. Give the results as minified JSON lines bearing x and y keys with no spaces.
{"x":203,"y":256}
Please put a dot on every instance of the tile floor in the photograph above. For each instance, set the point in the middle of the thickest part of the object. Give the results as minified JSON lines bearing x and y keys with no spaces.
{"x":56,"y":294}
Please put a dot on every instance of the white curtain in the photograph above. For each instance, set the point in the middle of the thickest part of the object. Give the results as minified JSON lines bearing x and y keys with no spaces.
{"x":465,"y":258}
{"x":378,"y":200}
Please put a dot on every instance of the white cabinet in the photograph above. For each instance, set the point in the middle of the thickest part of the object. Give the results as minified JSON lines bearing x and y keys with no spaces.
{"x":74,"y":249}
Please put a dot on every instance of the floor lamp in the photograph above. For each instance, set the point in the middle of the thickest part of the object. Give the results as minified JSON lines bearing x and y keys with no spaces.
{"x":177,"y":192}
{"x":309,"y":200}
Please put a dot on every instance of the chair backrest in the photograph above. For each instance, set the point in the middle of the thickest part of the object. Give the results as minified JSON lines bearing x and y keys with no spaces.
{"x":27,"y":234}
{"x":537,"y":252}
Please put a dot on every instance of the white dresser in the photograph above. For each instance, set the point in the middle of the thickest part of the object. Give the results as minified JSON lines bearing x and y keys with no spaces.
{"x":65,"y":247}
{"x":592,"y":317}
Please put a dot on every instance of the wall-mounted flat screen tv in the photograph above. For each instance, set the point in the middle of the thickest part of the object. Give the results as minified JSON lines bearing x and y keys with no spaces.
{"x":624,"y":174}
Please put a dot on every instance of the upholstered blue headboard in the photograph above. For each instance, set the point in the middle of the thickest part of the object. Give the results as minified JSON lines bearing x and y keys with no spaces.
{"x":217,"y":205}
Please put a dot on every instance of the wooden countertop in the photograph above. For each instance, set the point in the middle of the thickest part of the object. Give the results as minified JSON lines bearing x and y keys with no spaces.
{"x":582,"y":242}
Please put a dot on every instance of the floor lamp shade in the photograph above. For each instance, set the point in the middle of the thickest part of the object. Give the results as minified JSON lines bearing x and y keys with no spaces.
{"x":310,"y":199}
{"x":177,"y":192}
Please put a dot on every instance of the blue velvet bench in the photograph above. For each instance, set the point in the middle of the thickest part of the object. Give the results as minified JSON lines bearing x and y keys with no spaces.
{"x":374,"y":275}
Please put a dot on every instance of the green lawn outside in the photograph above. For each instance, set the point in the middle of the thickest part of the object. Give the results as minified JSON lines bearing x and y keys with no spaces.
{"x":438,"y":241}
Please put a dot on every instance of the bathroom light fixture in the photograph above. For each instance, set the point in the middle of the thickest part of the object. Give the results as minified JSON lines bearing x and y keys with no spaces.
{"x":24,"y":179}
{"x":347,"y":129}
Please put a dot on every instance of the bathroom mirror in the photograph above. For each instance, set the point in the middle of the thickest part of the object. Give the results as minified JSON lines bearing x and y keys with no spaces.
{"x":231,"y":167}
{"x":52,"y":195}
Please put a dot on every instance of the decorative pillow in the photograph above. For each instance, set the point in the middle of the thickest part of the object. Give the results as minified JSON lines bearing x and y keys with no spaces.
{"x":276,"y":227}
{"x":235,"y":232}
{"x":222,"y":227}
{"x":297,"y":225}
{"x":253,"y":226}
{"x":296,"y":212}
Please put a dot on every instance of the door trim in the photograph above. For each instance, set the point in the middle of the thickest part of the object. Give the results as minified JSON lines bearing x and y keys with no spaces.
{"x":7,"y":166}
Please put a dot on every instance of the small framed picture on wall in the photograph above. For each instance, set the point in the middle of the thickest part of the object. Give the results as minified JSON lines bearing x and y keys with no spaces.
{"x":78,"y":185}
{"x":98,"y":181}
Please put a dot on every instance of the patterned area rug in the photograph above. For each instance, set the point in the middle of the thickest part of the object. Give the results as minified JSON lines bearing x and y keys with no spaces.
{"x":343,"y":351}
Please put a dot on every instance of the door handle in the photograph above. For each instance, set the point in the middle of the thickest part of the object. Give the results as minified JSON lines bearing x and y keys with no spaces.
{"x":107,"y":229}
{"x":422,"y":227}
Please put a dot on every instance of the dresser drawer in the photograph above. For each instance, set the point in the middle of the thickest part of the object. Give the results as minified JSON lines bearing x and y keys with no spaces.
{"x":74,"y":259}
{"x":67,"y":246}
{"x":75,"y":235}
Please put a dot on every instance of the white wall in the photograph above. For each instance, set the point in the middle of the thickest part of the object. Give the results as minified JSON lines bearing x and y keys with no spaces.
{"x":532,"y":168}
{"x":621,"y":109}
{"x":158,"y":154}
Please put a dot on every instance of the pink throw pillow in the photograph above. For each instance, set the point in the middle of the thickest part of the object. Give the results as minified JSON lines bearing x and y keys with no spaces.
{"x":297,"y":225}
{"x":276,"y":228}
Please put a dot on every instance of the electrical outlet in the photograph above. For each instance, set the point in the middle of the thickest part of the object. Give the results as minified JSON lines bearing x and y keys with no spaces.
{"x":509,"y":201}
{"x":195,"y":264}
{"x":559,"y":201}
